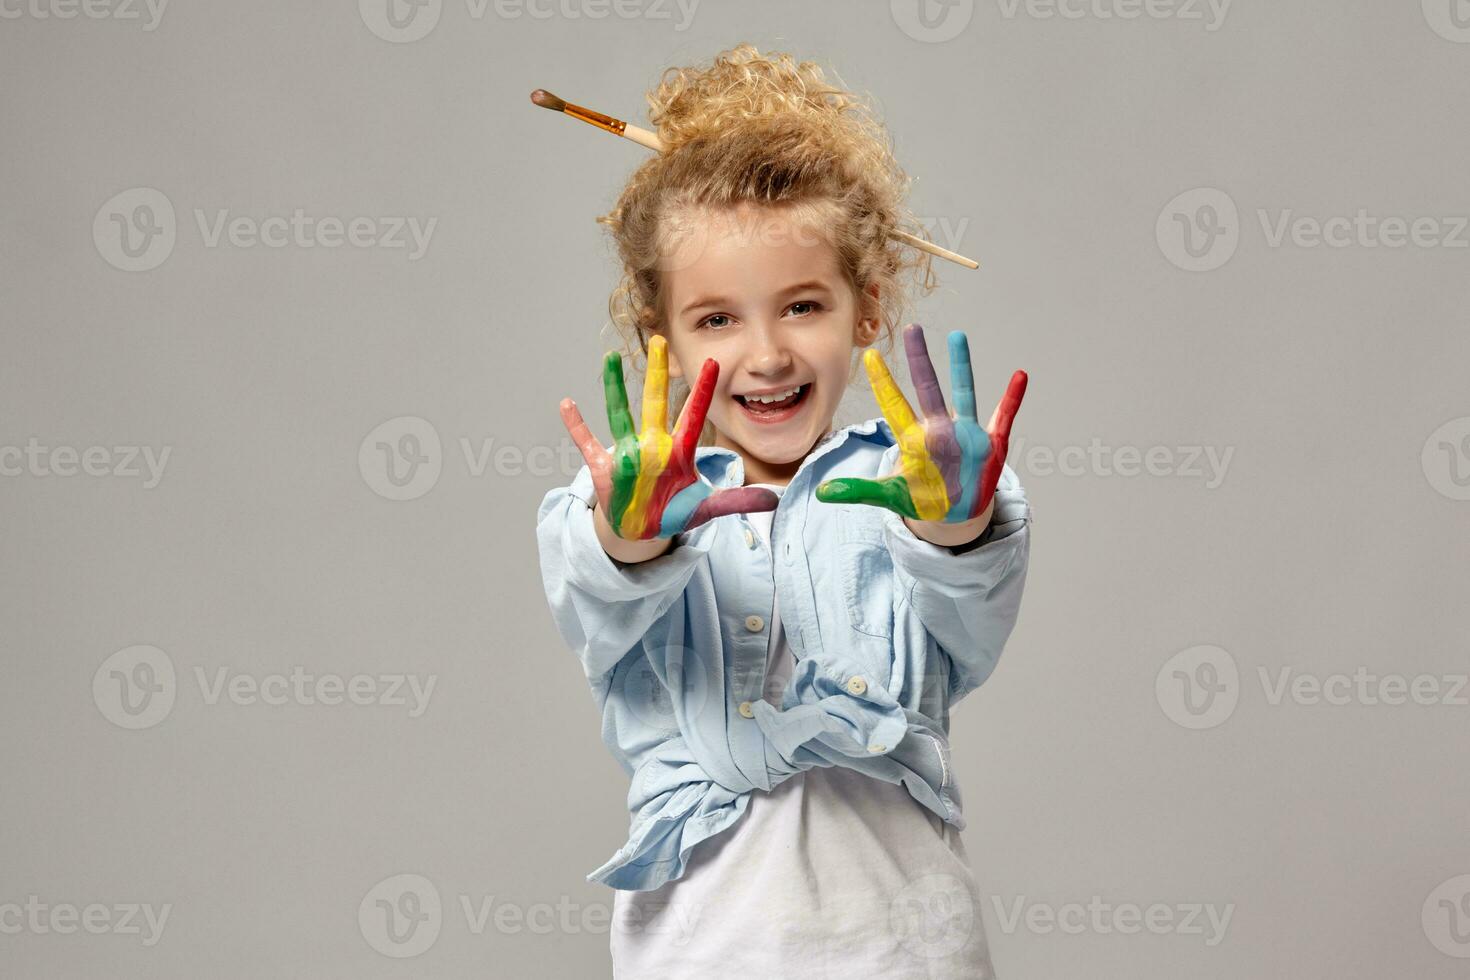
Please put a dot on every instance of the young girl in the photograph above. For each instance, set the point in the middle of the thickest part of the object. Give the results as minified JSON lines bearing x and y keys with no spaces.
{"x":774,"y":615}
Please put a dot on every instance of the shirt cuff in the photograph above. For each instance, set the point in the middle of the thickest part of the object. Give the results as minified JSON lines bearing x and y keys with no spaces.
{"x":981,"y":564}
{"x":591,"y":569}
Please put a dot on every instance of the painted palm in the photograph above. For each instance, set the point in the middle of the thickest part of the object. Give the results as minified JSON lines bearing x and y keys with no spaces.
{"x":947,"y":467}
{"x":647,"y":484}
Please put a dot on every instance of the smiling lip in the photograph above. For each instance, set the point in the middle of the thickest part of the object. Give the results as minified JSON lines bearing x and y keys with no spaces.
{"x":772,"y":418}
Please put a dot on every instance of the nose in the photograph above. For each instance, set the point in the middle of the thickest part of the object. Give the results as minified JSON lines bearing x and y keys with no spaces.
{"x":767,"y":353}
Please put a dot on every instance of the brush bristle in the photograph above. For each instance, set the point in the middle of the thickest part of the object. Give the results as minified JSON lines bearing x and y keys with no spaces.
{"x":546,"y":100}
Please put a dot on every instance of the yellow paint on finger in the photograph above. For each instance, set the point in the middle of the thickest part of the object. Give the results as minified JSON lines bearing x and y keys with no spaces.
{"x":926,"y":482}
{"x":655,"y":449}
{"x":655,"y":445}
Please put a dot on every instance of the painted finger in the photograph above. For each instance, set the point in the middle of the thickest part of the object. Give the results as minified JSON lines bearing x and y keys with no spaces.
{"x":696,"y":407}
{"x":890,"y":399}
{"x":921,"y":369}
{"x":962,"y":377}
{"x":891,"y":493}
{"x":615,"y":394}
{"x":591,"y":449}
{"x":733,"y":500}
{"x":1010,"y":403}
{"x":656,"y":385}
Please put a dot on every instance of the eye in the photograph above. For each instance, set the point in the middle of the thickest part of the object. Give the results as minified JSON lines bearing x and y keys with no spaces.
{"x":813,"y":304}
{"x":706,"y":321}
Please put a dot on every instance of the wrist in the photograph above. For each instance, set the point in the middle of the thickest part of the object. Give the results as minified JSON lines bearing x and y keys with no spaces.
{"x":952,"y":535}
{"x":623,"y":551}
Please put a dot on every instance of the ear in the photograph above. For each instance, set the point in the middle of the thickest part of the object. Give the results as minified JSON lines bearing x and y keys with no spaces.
{"x":868,"y":321}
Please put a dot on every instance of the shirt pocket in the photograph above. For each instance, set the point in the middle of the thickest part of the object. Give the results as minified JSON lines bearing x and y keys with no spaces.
{"x":867,"y":576}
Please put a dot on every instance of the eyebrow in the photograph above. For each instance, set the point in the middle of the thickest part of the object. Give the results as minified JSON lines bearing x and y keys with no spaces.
{"x":813,"y":284}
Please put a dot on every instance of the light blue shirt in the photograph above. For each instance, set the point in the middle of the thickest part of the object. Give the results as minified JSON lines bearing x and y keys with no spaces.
{"x":888,"y":631}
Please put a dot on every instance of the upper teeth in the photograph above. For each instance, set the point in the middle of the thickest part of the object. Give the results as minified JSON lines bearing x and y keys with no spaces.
{"x":778,"y":396}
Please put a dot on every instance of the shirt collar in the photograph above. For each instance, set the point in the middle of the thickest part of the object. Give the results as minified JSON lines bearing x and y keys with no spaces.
{"x":725,"y":467}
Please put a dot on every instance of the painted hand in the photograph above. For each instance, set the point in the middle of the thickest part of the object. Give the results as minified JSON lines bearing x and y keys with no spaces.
{"x":647,"y":484}
{"x":947,"y":467}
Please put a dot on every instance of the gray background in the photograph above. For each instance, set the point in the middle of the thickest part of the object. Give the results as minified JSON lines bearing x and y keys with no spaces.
{"x":1335,"y":541}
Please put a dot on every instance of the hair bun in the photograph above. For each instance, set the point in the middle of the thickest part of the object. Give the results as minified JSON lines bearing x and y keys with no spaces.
{"x":742,"y":86}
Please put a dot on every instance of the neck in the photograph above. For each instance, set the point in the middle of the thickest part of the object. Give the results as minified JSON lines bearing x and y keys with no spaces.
{"x":758,"y":470}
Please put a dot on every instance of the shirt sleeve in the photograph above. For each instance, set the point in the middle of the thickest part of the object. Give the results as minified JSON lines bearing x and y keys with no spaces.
{"x":968,"y":602}
{"x":603,"y":608}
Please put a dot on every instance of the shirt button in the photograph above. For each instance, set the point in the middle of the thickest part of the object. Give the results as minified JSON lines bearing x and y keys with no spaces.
{"x":754,"y":623}
{"x":857,"y":685}
{"x":746,"y":709}
{"x":749,"y":538}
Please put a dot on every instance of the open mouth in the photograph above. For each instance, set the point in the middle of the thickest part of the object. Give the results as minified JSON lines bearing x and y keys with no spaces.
{"x":774,"y":411}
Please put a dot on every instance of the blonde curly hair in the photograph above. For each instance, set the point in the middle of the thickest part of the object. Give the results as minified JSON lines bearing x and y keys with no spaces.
{"x":768,"y":131}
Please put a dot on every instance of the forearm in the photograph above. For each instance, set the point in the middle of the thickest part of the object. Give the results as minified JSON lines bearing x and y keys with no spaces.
{"x":622,"y":550}
{"x":952,"y":535}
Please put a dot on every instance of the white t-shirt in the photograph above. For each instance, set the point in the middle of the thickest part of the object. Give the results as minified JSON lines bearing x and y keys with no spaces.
{"x":832,"y":874}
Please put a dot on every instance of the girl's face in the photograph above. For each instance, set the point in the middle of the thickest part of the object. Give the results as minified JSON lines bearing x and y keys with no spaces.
{"x":766,"y":299}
